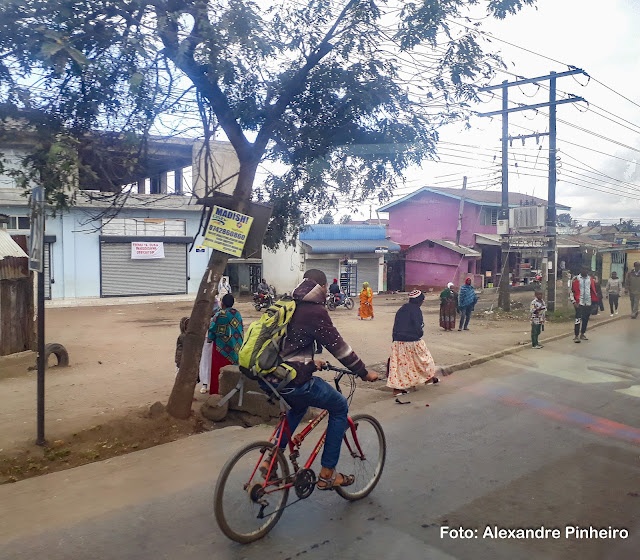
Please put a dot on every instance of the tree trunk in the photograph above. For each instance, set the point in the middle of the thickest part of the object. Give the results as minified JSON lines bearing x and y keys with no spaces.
{"x":181,"y":398}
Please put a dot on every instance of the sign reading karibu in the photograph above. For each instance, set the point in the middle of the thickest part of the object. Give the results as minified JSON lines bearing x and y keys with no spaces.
{"x":227,"y":231}
{"x":147,"y":250}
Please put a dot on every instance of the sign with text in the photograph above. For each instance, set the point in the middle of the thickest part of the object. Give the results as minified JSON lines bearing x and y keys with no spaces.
{"x":527,"y":241}
{"x":147,"y":250}
{"x":227,"y":231}
{"x":36,"y":237}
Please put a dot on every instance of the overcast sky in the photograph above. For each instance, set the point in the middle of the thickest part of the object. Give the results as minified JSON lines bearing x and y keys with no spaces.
{"x":601,"y":38}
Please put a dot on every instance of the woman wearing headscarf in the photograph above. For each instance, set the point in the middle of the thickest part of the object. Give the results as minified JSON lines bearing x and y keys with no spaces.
{"x":410,"y":363}
{"x":448,"y":308}
{"x":366,"y":302}
{"x":466,"y":302}
{"x":225,"y":336}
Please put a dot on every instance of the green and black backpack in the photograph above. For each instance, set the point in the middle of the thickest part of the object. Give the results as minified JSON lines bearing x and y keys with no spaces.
{"x":260,"y":353}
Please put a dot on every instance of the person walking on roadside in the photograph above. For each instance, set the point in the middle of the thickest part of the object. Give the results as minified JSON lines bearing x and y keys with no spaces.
{"x":410,"y":363}
{"x":583,"y":294}
{"x":538,"y":309}
{"x":225,"y":335}
{"x":366,"y":302}
{"x":466,"y":302}
{"x":599,"y":303}
{"x":632,"y":284}
{"x":614,"y":287}
{"x":448,"y":308}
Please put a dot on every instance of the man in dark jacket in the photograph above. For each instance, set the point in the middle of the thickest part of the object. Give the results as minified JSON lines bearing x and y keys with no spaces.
{"x":311,"y":323}
{"x":335,"y":290}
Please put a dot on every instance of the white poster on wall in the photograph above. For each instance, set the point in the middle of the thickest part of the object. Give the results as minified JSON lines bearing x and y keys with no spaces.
{"x":147,"y":250}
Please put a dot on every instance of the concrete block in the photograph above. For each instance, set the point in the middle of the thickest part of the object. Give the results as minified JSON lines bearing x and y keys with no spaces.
{"x":211,"y":411}
{"x":256,"y":404}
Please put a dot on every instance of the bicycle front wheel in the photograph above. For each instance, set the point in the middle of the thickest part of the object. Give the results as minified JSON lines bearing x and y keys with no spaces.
{"x":243,"y":510}
{"x":362,"y":456}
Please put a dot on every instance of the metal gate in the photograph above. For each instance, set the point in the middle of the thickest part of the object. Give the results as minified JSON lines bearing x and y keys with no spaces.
{"x":617,"y":263}
{"x":328,"y":266}
{"x":47,"y":270}
{"x":120,"y":275}
{"x":368,"y":271}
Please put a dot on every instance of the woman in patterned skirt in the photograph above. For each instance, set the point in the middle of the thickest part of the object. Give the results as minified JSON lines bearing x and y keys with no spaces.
{"x":410,"y":363}
{"x":225,"y":334}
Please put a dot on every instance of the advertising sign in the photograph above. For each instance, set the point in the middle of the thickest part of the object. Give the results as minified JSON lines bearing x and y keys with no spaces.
{"x":36,"y":237}
{"x":147,"y":250}
{"x":227,"y":231}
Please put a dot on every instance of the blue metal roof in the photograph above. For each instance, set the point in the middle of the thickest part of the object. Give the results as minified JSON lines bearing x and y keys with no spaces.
{"x":350,"y":245}
{"x":343,"y":232}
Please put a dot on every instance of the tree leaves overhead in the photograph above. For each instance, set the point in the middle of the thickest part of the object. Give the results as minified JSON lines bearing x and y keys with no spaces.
{"x":340,"y":96}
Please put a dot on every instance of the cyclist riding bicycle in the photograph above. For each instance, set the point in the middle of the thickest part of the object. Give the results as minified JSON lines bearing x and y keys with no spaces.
{"x":311,"y":323}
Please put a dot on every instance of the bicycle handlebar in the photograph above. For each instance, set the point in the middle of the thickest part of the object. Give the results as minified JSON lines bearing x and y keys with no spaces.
{"x":337,"y":369}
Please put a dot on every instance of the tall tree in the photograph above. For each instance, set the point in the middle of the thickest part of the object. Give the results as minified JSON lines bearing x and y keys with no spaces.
{"x":327,"y":218}
{"x":318,"y":86}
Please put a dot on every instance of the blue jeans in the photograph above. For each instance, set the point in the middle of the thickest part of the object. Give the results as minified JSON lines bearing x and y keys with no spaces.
{"x":317,"y":392}
{"x":465,"y":315}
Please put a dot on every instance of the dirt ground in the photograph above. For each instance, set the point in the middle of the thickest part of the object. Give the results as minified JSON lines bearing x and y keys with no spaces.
{"x":121,"y":362}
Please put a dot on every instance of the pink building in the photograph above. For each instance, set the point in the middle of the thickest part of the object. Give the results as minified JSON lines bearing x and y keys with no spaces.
{"x":425,"y":225}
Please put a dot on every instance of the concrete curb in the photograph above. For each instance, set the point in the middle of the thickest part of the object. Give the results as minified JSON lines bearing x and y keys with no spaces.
{"x":448,"y":370}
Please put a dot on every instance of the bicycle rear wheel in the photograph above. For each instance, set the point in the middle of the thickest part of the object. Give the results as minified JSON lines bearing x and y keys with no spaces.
{"x":238,"y":498}
{"x":366,"y":465}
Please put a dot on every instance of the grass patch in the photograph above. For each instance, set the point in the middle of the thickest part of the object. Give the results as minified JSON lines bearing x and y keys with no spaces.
{"x":561,"y":316}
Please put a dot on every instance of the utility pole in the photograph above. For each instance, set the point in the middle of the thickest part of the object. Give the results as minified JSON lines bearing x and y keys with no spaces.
{"x":464,"y":188}
{"x":552,"y":272}
{"x":503,"y":297}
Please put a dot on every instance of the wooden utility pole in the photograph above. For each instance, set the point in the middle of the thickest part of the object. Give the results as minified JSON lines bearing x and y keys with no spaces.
{"x":503,"y":297}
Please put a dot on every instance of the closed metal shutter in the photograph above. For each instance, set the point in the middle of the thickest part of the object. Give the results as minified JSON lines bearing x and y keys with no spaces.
{"x":47,"y":270}
{"x":329,"y":266}
{"x":123,"y":276}
{"x":368,"y":270}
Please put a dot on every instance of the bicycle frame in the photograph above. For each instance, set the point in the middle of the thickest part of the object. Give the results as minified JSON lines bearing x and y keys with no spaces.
{"x":294,"y":443}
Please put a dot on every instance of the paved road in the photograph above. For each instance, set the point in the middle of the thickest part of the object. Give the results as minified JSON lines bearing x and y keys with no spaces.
{"x":541,"y":438}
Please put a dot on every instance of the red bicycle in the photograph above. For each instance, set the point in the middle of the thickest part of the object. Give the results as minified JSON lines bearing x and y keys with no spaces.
{"x":249,"y":501}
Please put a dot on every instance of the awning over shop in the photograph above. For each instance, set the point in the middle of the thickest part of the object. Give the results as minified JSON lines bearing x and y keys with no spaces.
{"x":460,"y":249}
{"x":325,"y":246}
{"x":492,"y":239}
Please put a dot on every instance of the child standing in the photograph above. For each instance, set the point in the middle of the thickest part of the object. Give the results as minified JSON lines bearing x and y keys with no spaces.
{"x":538,"y":310}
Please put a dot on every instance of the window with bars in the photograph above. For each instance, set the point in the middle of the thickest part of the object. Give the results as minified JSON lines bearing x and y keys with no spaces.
{"x":489,"y":216}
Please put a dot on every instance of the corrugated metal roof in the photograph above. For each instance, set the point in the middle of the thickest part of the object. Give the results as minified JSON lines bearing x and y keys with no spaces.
{"x":481,"y":197}
{"x":319,"y":246}
{"x":461,"y":249}
{"x":343,"y":231}
{"x":8,"y":247}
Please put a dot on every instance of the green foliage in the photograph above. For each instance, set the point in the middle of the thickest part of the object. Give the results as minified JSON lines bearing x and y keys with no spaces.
{"x":327,"y":218}
{"x":317,"y":88}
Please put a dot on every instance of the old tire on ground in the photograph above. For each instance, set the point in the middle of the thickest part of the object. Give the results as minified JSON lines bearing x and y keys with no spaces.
{"x":59,"y":351}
